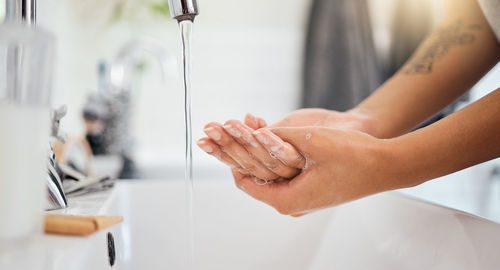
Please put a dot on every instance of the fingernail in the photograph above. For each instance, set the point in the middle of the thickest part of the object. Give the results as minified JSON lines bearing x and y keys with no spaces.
{"x":261,"y":138}
{"x":234,"y":132}
{"x":205,"y":147}
{"x":212,"y":133}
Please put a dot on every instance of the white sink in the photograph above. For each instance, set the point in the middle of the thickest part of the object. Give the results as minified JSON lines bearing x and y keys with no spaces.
{"x":233,"y":231}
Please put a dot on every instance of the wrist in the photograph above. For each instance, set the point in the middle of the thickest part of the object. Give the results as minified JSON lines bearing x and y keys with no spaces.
{"x":368,"y":123}
{"x":406,"y":162}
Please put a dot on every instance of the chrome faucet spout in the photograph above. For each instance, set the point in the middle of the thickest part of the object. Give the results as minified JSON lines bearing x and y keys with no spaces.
{"x":20,"y":11}
{"x":183,"y":9}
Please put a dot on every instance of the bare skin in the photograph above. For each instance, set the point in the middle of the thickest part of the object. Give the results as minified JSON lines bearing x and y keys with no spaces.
{"x":333,"y":157}
{"x":284,"y":165}
{"x":343,"y":165}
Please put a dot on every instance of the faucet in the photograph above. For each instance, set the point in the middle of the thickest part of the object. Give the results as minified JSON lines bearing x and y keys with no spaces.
{"x":113,"y":105}
{"x":24,"y":11}
{"x":183,"y":9}
{"x":56,"y":195}
{"x":20,"y":11}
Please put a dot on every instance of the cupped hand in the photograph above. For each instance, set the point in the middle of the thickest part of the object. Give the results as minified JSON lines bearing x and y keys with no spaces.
{"x":235,"y":144}
{"x":340,"y":165}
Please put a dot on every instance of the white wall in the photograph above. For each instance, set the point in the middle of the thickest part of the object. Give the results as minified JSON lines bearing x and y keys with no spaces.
{"x":247,"y":58}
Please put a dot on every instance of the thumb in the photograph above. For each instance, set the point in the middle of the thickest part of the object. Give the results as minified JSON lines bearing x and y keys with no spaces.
{"x":299,"y":137}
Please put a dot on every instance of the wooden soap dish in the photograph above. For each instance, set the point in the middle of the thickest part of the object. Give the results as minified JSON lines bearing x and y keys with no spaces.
{"x":78,"y":225}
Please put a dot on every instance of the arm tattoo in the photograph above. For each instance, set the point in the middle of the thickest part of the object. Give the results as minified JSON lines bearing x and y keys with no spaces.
{"x":438,"y":44}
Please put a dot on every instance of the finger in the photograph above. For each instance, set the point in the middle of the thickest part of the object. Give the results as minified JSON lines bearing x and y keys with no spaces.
{"x":237,"y":152}
{"x":262,"y":122}
{"x":243,"y":135}
{"x":251,"y":121}
{"x":280,"y":149}
{"x":301,"y":213}
{"x":211,"y":148}
{"x":264,"y":193}
{"x":302,"y":138}
{"x":254,"y":122}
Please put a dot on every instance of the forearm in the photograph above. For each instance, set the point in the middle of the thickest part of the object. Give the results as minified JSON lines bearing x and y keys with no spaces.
{"x":465,"y":138}
{"x":451,"y":60}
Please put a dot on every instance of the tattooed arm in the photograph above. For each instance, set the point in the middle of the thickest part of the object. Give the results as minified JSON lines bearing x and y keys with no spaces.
{"x":450,"y":61}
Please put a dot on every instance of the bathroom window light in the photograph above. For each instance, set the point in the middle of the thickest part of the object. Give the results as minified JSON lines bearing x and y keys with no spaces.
{"x":2,"y":10}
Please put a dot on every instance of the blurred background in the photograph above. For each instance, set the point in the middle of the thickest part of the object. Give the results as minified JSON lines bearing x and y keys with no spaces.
{"x":118,"y":71}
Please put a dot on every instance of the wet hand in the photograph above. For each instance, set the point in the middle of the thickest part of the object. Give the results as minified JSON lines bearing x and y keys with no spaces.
{"x":340,"y":166}
{"x":235,"y":144}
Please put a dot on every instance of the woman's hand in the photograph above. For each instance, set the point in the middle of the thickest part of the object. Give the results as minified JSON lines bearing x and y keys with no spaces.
{"x":340,"y":166}
{"x":234,"y":144}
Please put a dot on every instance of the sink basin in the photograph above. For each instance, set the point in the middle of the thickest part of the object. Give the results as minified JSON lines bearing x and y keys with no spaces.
{"x":233,"y":231}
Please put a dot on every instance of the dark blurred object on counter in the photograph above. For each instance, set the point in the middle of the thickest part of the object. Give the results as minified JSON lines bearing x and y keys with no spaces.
{"x":107,"y":117}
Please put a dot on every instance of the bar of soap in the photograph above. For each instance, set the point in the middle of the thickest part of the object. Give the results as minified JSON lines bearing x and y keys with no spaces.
{"x":78,"y":225}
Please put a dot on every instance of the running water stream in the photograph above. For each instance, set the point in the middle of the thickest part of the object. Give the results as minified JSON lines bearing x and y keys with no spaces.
{"x":186,"y":32}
